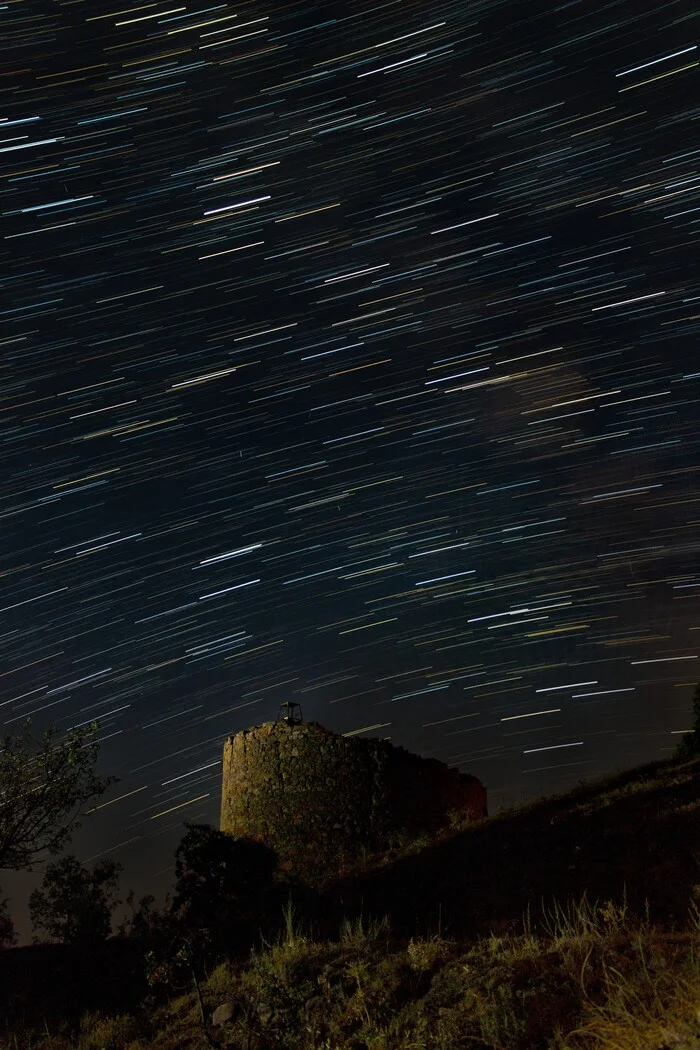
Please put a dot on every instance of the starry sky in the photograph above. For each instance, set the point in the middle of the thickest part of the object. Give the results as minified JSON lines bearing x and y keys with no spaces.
{"x":349,"y":357}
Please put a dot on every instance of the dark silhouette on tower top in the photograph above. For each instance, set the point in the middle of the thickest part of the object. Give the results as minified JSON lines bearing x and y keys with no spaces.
{"x":292,"y":713}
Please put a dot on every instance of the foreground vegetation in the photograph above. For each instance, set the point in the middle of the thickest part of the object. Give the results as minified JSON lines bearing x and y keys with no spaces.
{"x":570,"y":923}
{"x":599,"y":977}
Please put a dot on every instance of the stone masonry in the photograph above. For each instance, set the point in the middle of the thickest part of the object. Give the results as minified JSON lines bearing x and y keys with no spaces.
{"x":319,"y":799}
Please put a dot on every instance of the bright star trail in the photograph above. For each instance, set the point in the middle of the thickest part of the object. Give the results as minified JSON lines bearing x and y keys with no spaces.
{"x":349,"y":357}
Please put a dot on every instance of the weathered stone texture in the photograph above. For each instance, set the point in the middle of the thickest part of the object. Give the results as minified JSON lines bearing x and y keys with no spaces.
{"x":318,"y":798}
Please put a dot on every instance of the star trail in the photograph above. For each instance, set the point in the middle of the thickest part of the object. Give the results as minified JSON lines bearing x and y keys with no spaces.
{"x":349,"y":357}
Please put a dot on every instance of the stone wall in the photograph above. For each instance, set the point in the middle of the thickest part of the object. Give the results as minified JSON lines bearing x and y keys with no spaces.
{"x":318,"y":798}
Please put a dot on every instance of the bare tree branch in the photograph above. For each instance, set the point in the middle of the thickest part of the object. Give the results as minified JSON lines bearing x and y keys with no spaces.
{"x":44,"y":791}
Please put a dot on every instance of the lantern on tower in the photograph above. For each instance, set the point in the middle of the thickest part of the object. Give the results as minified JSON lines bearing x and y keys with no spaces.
{"x":290,"y":712}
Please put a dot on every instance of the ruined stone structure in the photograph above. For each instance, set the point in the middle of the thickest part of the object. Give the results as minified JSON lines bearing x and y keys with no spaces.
{"x":318,"y":798}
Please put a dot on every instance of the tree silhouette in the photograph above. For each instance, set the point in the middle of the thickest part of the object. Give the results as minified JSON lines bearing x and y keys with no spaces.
{"x":144,"y":918}
{"x":75,"y":903}
{"x":8,"y":936}
{"x":218,"y":876}
{"x":44,"y":790}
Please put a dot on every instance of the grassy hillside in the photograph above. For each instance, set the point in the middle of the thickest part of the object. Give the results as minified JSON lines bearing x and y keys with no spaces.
{"x":569,"y":923}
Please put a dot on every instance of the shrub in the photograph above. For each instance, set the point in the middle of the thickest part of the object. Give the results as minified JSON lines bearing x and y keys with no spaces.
{"x":425,"y":955}
{"x":106,"y":1033}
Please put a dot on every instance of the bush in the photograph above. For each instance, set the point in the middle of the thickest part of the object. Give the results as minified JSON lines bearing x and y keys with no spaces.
{"x":425,"y":955}
{"x":106,"y":1033}
{"x":220,"y":878}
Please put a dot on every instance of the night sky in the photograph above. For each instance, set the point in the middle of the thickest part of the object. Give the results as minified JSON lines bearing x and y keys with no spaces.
{"x":349,"y":357}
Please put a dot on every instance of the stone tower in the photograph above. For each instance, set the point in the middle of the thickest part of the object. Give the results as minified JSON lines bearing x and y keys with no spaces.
{"x":318,"y":798}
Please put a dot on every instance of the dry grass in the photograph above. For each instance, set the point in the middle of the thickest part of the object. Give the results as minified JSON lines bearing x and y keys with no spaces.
{"x":598,"y":978}
{"x":613,"y":964}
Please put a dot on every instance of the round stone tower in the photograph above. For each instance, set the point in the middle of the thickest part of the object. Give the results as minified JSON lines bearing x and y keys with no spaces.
{"x":318,"y":798}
